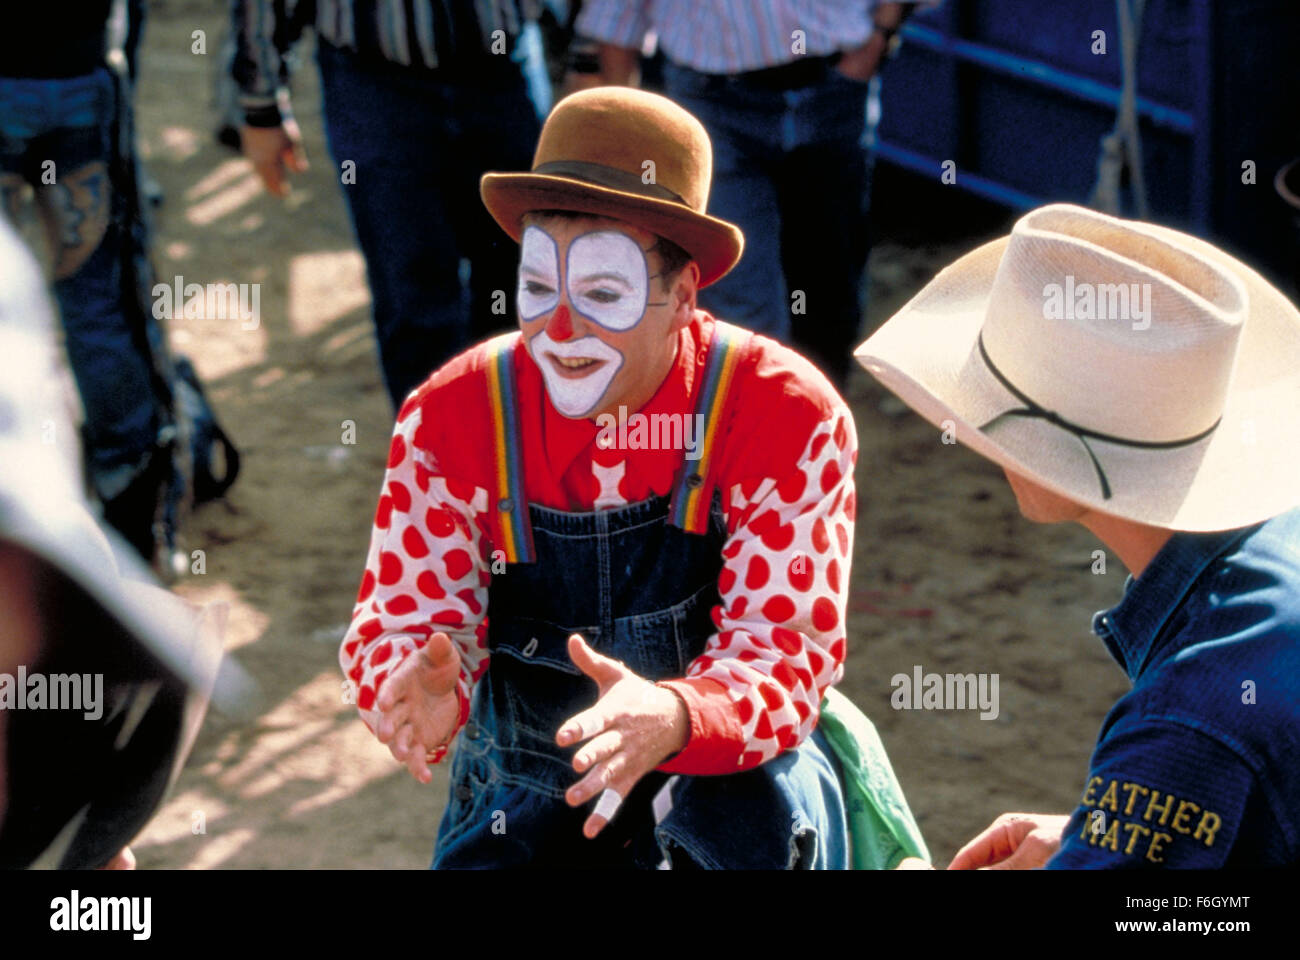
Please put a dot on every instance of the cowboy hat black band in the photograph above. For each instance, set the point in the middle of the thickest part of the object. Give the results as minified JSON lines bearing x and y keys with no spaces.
{"x":1037,"y":411}
{"x":612,"y":177}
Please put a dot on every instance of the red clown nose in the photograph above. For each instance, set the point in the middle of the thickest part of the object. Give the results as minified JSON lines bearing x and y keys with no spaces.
{"x":560,"y":326}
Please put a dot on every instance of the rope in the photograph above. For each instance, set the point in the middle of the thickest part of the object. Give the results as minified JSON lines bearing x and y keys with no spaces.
{"x":1122,"y":147}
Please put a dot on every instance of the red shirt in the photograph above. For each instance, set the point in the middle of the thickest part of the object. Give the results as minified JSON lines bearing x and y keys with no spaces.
{"x":787,"y":448}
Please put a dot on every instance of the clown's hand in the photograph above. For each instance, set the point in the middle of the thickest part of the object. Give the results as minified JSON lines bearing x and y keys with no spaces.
{"x":633,"y":727}
{"x":418,"y":705}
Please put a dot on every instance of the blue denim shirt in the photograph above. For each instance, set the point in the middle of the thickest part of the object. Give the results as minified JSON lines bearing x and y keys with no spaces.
{"x":1199,"y":765}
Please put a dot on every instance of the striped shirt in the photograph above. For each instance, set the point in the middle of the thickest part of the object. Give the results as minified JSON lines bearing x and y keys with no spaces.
{"x":731,"y":36}
{"x":409,"y":32}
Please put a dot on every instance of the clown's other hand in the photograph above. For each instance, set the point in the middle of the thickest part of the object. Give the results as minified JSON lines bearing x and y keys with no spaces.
{"x":1015,"y":841}
{"x":633,"y":728}
{"x":418,"y":706}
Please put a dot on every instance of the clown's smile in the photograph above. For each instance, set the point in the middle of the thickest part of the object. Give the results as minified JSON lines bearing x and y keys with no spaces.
{"x":574,"y":368}
{"x":577,"y":372}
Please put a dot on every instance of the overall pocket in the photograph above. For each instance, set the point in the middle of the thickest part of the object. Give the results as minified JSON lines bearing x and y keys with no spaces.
{"x":660,"y":646}
{"x":535,"y":687}
{"x":539,"y":642}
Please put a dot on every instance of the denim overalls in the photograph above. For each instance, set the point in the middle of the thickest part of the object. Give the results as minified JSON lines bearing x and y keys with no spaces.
{"x":638,"y":588}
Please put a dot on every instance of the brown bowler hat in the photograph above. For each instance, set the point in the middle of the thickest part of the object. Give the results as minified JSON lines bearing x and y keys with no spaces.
{"x":592,"y":158}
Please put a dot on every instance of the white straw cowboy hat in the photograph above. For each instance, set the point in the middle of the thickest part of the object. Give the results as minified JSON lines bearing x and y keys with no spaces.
{"x":1184,"y":416}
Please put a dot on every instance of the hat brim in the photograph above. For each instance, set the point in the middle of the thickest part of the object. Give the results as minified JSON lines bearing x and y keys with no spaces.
{"x":1242,"y":473}
{"x":714,"y":244}
{"x":166,"y":629}
{"x":161,"y":663}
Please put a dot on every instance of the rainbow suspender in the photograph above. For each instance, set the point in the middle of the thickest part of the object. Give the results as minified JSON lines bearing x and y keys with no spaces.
{"x":692,"y":495}
{"x":512,"y":508}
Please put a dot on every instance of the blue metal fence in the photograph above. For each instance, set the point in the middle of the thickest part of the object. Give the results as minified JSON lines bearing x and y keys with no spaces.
{"x":1013,"y":92}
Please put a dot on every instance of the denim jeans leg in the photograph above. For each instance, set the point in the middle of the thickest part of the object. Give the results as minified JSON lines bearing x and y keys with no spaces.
{"x":109,"y":362}
{"x":111,"y":368}
{"x":786,"y":814}
{"x":399,"y":134}
{"x":499,"y":130}
{"x":742,"y":128}
{"x":824,"y":193}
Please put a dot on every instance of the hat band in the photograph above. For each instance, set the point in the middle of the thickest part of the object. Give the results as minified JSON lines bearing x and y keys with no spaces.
{"x":1039,"y":412}
{"x":604,"y":176}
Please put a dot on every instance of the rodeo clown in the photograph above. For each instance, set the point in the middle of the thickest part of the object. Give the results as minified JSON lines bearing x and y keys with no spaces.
{"x":633,"y":636}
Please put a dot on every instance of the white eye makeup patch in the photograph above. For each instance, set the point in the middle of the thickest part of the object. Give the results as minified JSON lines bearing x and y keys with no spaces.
{"x":607,"y":279}
{"x":575,"y":392}
{"x":539,"y":274}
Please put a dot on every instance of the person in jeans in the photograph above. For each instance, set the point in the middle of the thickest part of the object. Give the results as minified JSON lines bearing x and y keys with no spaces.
{"x":782,"y":88}
{"x":419,"y":98}
{"x":1141,"y":383}
{"x":59,"y":107}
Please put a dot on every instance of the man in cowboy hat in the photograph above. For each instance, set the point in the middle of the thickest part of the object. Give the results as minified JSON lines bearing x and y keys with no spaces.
{"x":1142,"y":383}
{"x":629,"y":492}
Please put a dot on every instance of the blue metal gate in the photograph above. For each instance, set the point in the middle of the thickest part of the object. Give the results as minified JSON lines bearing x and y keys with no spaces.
{"x":1013,"y":93}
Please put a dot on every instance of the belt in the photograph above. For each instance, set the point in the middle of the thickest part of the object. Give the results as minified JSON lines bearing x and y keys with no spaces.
{"x":803,"y":72}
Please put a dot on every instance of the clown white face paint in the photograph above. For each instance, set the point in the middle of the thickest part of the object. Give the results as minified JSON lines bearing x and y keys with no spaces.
{"x":539,"y":274}
{"x":575,"y":389}
{"x":607,"y":281}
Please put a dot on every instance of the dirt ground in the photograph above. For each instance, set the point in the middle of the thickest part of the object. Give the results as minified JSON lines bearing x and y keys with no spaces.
{"x":945,"y":575}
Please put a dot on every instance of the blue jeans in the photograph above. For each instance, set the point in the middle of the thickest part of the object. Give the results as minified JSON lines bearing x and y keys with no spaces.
{"x":56,"y":136}
{"x":420,"y":142}
{"x":791,"y":169}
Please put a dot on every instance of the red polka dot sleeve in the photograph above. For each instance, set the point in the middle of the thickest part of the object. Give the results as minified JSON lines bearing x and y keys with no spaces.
{"x":757,"y":689}
{"x":425,"y":573}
